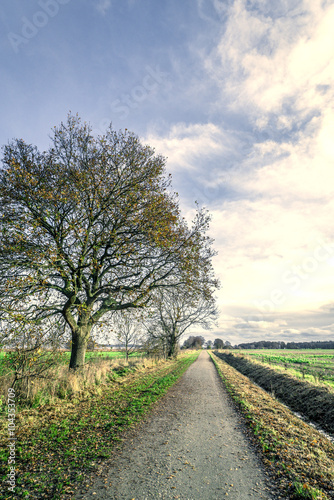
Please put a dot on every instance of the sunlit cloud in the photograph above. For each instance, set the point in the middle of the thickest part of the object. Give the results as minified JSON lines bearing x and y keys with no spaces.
{"x":282,"y":65}
{"x":187,"y":146}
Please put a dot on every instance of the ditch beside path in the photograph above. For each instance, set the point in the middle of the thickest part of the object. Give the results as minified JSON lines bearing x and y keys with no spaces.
{"x":192,"y":446}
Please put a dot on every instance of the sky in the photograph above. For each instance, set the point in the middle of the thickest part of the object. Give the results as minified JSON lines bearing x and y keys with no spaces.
{"x":238,"y":95}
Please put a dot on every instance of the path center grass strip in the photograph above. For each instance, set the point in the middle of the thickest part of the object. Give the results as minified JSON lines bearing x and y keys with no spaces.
{"x":299,"y":456}
{"x":60,"y":445}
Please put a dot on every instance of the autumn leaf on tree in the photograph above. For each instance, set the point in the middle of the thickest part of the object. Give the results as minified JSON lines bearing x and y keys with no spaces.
{"x":90,"y":227}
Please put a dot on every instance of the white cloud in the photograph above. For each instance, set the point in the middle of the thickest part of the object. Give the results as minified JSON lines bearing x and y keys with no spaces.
{"x":295,"y":172}
{"x":266,"y":63}
{"x":264,"y":325}
{"x":103,"y":6}
{"x":187,"y":146}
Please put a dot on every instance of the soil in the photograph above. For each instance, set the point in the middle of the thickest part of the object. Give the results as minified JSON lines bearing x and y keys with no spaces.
{"x":193,"y":446}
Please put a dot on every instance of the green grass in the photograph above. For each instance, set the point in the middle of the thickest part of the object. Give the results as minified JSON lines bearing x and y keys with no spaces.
{"x":59,"y":447}
{"x":312,"y":365}
{"x":93,"y":354}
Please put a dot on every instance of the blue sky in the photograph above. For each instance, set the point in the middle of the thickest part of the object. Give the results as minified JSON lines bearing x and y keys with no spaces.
{"x":239,"y":95}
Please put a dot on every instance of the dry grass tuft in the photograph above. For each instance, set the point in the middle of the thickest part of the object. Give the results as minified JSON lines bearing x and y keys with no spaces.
{"x":59,"y":383}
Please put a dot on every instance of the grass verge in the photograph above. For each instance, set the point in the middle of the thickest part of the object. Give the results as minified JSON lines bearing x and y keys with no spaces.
{"x":57,"y":383}
{"x":300,"y":458}
{"x":59,"y":445}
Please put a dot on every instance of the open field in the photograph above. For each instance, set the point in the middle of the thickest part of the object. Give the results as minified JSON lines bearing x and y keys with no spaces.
{"x":315,"y":401}
{"x":300,"y":457}
{"x":91,"y":355}
{"x":309,"y":364}
{"x":60,"y":445}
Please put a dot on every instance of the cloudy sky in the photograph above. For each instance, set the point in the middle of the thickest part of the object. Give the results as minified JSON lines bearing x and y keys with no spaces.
{"x":239,"y":95}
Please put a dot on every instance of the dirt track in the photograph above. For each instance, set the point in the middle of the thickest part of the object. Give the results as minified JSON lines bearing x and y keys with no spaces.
{"x":192,"y":447}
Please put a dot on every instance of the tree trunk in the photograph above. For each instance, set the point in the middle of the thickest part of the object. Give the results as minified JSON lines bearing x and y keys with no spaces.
{"x":79,"y":346}
{"x":126,"y":350}
{"x":171,"y":347}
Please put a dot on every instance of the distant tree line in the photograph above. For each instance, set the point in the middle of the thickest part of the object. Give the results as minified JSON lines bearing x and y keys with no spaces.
{"x":197,"y":342}
{"x":266,"y":344}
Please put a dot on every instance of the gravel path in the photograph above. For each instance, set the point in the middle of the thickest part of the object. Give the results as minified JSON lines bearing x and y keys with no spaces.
{"x":193,"y":446}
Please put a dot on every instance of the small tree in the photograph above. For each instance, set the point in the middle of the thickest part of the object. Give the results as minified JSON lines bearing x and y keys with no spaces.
{"x":198,"y":342}
{"x":28,"y":359}
{"x":175,"y":311}
{"x":187,"y":343}
{"x":218,"y":344}
{"x":194,"y":342}
{"x":90,"y":227}
{"x":128,"y":331}
{"x":155,"y":346}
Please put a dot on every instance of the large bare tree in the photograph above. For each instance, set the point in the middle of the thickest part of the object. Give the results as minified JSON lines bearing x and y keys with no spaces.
{"x":89,"y":227}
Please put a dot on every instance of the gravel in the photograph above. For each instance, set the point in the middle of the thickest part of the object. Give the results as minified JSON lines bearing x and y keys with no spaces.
{"x":193,"y":446}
